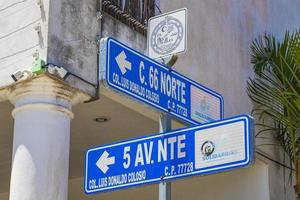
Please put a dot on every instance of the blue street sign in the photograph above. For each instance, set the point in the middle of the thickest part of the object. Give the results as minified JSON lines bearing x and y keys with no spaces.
{"x":203,"y":149}
{"x":141,"y":78}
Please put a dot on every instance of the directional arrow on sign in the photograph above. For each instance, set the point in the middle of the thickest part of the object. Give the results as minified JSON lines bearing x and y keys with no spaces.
{"x":104,"y":161}
{"x":122,"y":67}
{"x":123,"y":64}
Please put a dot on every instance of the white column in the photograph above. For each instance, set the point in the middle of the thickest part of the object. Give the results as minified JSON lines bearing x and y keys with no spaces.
{"x":40,"y":165}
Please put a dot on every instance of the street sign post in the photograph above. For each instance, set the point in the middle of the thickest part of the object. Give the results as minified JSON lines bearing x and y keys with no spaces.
{"x":203,"y":149}
{"x":166,"y":37}
{"x":131,"y":73}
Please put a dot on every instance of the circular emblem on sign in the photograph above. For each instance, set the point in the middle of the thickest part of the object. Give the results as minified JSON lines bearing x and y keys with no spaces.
{"x":207,"y":148}
{"x":167,"y":35}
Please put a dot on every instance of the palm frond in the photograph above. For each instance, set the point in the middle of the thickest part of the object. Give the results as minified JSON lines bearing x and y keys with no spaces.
{"x":275,"y":89}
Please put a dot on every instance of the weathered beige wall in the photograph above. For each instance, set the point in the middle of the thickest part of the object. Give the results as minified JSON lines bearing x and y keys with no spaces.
{"x":219,"y":35}
{"x":73,"y":33}
{"x":4,"y":196}
{"x":218,"y":56}
{"x":6,"y":140}
{"x":72,"y":44}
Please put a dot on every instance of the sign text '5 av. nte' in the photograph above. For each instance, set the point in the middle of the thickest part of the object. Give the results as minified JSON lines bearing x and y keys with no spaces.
{"x":198,"y":150}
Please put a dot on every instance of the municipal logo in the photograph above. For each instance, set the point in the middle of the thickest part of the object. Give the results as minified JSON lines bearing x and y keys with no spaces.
{"x":204,"y":105}
{"x":167,"y":35}
{"x":207,"y":148}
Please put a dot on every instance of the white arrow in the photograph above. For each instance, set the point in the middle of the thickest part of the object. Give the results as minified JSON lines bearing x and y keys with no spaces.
{"x":104,"y":161}
{"x":123,"y":63}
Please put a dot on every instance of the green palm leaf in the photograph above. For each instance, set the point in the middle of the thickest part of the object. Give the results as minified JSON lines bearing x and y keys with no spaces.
{"x":275,"y":90}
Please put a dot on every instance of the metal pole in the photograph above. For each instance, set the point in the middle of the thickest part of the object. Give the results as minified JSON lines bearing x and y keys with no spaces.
{"x":164,"y":188}
{"x":164,"y":126}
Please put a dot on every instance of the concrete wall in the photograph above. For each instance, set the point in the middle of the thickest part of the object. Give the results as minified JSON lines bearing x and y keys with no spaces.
{"x":218,"y":55}
{"x":18,"y":38}
{"x":73,"y":33}
{"x":219,"y":37}
{"x":113,"y":28}
{"x":73,"y":28}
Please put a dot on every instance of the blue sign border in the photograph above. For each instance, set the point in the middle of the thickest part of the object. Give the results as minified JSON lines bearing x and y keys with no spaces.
{"x":145,"y":101}
{"x":248,"y":161}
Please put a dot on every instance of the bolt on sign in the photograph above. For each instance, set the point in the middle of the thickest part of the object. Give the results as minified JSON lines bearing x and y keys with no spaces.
{"x":199,"y":150}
